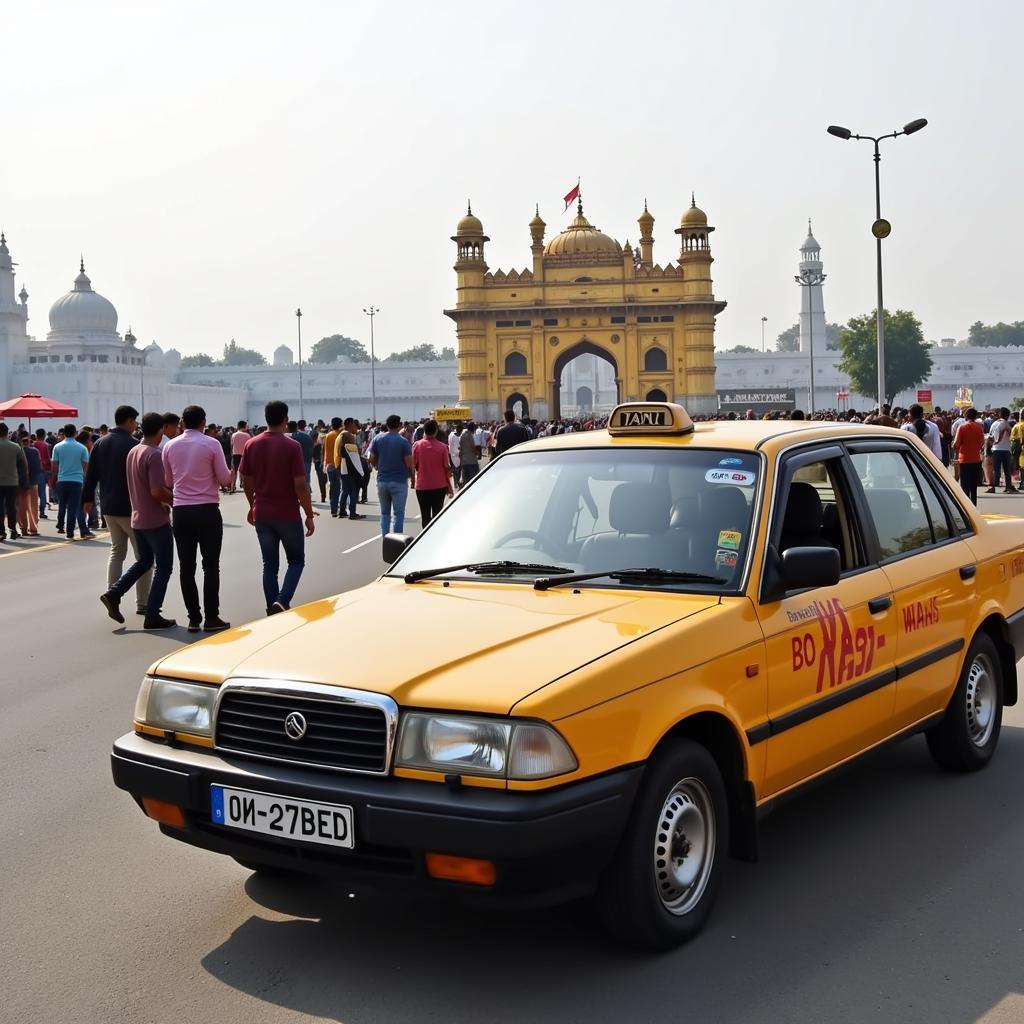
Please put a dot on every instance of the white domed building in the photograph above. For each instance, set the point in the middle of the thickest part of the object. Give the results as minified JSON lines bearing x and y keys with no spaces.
{"x":86,"y":363}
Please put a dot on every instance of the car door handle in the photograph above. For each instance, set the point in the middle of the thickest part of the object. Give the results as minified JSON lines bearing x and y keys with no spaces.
{"x":879,"y":604}
{"x":967,"y":572}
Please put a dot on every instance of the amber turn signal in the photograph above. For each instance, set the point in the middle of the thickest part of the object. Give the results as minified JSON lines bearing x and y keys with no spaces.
{"x":165,"y":813}
{"x":461,"y":869}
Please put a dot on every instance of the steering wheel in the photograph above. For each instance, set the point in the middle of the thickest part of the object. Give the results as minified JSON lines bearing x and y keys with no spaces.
{"x":539,"y":539}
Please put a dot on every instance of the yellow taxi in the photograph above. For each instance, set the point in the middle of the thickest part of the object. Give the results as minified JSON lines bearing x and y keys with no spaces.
{"x":596,"y":668}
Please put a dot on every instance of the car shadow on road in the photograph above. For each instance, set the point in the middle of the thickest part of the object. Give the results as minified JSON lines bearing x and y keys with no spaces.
{"x":889,"y":892}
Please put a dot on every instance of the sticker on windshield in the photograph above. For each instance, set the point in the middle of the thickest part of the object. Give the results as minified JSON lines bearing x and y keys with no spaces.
{"x":729,"y":539}
{"x":731,"y":461}
{"x":725,"y":559}
{"x":740,"y":477}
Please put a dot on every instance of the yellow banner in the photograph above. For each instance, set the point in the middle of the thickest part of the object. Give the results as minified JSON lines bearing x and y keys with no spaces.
{"x":453,"y":412}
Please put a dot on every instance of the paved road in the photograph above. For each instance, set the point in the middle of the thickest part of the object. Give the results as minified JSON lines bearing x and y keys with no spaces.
{"x":891,"y":892}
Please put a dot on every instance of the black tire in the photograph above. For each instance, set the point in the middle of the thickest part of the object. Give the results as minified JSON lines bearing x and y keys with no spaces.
{"x":265,"y":870}
{"x":681,"y":807}
{"x":966,"y":738}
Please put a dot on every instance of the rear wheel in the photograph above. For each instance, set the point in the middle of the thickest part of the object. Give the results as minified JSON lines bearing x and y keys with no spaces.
{"x":966,"y":738}
{"x":660,"y":886}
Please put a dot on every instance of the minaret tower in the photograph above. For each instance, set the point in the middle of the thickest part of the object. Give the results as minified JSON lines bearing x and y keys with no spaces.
{"x":812,"y":299}
{"x":470,"y":268}
{"x":646,"y":222}
{"x":537,"y":227}
{"x":695,"y":372}
{"x":13,"y":321}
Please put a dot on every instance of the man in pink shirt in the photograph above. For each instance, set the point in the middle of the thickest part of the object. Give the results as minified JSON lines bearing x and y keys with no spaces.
{"x":238,"y":440}
{"x":194,"y":471}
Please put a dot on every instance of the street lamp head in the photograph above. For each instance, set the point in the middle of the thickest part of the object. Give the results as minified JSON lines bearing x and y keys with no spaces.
{"x":913,"y":126}
{"x":298,"y":312}
{"x":839,"y":132}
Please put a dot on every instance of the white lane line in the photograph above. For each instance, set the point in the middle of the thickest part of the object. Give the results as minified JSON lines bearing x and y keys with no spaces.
{"x":362,"y":544}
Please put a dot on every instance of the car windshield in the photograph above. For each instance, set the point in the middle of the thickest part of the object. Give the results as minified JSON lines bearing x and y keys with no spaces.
{"x":600,"y":510}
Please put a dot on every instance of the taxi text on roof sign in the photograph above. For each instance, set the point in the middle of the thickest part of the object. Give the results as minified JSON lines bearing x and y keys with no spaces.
{"x":649,"y":418}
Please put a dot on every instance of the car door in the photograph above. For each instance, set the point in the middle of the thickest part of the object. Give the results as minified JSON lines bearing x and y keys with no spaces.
{"x":930,"y":567}
{"x":830,"y":651}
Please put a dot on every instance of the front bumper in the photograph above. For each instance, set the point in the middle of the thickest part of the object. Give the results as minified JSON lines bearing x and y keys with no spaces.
{"x":548,"y":846}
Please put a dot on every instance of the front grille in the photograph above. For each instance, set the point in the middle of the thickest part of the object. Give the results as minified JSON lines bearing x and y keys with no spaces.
{"x":339,"y":734}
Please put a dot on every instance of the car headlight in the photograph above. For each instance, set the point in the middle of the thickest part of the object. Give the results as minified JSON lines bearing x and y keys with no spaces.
{"x":175,"y":705}
{"x":500,"y":748}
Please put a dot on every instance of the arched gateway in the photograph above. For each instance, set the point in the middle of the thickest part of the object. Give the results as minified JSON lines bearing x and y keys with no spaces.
{"x":585,"y":292}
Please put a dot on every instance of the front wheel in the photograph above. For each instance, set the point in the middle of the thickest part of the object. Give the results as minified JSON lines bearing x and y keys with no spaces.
{"x":966,"y":738}
{"x":660,"y":886}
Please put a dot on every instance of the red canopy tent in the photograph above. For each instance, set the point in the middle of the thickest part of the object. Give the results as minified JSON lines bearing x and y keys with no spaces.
{"x":31,"y":406}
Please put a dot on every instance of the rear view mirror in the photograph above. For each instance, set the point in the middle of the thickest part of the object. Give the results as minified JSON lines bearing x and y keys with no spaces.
{"x":394,"y":545}
{"x":804,"y":568}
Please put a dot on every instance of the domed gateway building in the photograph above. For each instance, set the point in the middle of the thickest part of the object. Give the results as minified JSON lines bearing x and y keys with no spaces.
{"x":590,"y":323}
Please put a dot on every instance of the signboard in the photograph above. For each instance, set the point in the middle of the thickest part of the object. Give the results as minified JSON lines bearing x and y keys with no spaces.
{"x":761,"y":401}
{"x":453,"y":412}
{"x":842,"y":394}
{"x":964,"y":398}
{"x":924,"y":399}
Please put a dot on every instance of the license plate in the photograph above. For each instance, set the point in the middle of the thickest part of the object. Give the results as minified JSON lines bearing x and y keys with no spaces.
{"x":284,"y":817}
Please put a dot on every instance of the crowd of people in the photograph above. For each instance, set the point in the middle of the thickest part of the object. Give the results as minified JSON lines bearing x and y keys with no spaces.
{"x":155,"y":483}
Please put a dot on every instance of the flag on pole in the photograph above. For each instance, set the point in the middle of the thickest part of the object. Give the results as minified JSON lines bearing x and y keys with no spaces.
{"x":572,"y":195}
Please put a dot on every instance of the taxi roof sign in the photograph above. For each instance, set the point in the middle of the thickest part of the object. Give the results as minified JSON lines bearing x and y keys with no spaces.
{"x":649,"y":418}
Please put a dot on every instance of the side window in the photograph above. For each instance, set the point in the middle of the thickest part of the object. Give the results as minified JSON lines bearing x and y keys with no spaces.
{"x":894,"y":500}
{"x":817,"y":513}
{"x":936,"y":512}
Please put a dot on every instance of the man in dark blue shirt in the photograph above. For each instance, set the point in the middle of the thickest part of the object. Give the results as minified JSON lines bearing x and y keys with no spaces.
{"x":391,"y":456}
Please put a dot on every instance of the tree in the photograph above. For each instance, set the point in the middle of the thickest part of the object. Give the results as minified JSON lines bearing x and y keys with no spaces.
{"x":741,"y":348}
{"x":789,"y":339}
{"x":202,"y":359}
{"x":425,"y":353}
{"x":448,"y":353}
{"x":907,"y":358}
{"x":337,"y":346}
{"x":235,"y":355}
{"x":996,"y":335}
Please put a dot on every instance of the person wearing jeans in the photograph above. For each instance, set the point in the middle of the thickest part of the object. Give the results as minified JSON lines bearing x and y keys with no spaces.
{"x":273,"y":472}
{"x":150,"y":522}
{"x":69,"y":462}
{"x":333,"y":476}
{"x":354,"y":473}
{"x":108,"y":471}
{"x":433,"y":467}
{"x":44,"y":473}
{"x":194,"y":471}
{"x":391,"y":456}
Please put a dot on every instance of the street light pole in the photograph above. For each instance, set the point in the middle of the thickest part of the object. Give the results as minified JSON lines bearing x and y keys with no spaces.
{"x":880,"y":229}
{"x":298,"y":324}
{"x":809,"y":279}
{"x":764,"y":320}
{"x":371,"y":312}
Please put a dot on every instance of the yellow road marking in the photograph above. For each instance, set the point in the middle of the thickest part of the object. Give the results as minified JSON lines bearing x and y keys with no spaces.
{"x":43,"y":547}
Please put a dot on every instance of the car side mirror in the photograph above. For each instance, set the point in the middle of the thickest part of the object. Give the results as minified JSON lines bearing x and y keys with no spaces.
{"x":805,"y":568}
{"x":394,"y":545}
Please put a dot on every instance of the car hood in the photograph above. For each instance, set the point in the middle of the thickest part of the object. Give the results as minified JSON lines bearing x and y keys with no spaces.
{"x":466,"y":646}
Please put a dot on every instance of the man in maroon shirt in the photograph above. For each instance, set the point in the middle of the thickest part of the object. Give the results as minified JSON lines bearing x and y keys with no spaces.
{"x":274,"y":478}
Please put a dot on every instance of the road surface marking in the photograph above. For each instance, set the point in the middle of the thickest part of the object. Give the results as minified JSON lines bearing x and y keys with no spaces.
{"x":362,"y":544}
{"x":42,"y":547}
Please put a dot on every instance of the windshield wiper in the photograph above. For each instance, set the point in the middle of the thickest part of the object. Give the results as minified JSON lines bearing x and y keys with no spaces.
{"x":650,"y":573}
{"x":497,"y":568}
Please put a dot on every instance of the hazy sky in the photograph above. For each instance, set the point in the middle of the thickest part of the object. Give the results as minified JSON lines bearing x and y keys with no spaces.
{"x":221,"y":163}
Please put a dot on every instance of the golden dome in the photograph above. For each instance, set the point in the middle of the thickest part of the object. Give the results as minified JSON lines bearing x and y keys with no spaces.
{"x":694,"y":216}
{"x":645,"y":218}
{"x":537,"y":222}
{"x":469,"y":225}
{"x":582,"y":238}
